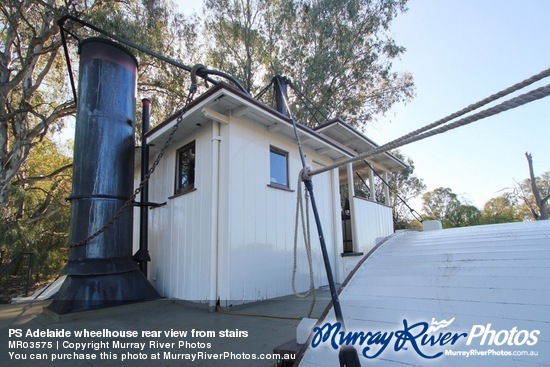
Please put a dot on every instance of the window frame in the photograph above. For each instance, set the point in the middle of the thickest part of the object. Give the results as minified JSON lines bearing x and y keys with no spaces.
{"x":190,"y":187}
{"x":285,"y":154}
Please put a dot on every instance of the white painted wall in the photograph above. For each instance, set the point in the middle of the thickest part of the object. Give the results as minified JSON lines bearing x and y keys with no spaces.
{"x":254,"y":241}
{"x":179,"y":233}
{"x":257,"y":234}
{"x":372,"y":220}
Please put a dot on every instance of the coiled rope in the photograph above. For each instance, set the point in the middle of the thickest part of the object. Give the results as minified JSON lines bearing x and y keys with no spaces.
{"x":302,"y":207}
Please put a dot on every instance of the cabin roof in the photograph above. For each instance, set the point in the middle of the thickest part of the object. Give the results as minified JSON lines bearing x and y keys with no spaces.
{"x":353,"y":139}
{"x":224,"y":103}
{"x":491,"y":274}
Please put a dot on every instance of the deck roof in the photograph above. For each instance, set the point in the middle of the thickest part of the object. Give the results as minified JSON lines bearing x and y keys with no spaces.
{"x":353,"y":139}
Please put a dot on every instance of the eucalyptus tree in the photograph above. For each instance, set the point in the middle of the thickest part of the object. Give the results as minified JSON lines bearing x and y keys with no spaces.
{"x":441,"y":204}
{"x":35,"y":96}
{"x":338,"y":53}
{"x":504,"y":208}
{"x":33,"y":101}
{"x":36,"y":102}
{"x":406,"y":187}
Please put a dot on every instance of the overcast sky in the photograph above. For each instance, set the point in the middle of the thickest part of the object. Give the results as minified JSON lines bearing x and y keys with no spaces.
{"x":460,"y":52}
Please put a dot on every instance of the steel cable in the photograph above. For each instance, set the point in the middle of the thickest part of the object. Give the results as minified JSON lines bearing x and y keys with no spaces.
{"x":416,"y":136}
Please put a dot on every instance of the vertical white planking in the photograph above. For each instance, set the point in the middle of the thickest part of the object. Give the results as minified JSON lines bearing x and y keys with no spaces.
{"x":255,"y":224}
{"x":373,"y":221}
{"x":180,"y":231}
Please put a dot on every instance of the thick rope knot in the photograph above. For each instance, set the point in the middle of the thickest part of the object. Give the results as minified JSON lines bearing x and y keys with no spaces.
{"x":304,"y":174}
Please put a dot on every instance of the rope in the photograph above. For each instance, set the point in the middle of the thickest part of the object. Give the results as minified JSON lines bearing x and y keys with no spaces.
{"x":305,"y":222}
{"x":483,"y":102}
{"x":300,"y":209}
{"x":416,"y":135}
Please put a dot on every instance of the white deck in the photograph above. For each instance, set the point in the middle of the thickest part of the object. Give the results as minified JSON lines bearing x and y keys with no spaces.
{"x":497,"y":274}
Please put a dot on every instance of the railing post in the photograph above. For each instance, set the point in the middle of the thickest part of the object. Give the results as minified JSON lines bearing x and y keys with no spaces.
{"x":372,"y":196}
{"x":386,"y":188}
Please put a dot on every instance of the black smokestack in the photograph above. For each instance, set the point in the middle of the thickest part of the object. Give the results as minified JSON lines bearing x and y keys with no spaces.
{"x":102,"y":273}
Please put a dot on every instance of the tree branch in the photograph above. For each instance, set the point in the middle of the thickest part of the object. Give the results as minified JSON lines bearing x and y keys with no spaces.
{"x":33,"y":179}
{"x":536,"y":193}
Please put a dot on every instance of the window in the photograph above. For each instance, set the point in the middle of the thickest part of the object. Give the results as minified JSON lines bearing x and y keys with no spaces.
{"x":185,"y":175}
{"x":278,"y":161}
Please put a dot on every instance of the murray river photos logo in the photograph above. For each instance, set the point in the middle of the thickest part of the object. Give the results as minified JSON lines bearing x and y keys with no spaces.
{"x":427,"y":340}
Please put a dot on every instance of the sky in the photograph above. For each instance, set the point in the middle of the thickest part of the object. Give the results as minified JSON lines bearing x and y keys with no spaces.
{"x":460,"y":52}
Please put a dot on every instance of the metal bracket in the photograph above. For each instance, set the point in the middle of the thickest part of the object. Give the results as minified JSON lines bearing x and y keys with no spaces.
{"x":150,"y":204}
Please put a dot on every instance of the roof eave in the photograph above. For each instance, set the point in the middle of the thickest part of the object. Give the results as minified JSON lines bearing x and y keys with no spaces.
{"x":223,"y":89}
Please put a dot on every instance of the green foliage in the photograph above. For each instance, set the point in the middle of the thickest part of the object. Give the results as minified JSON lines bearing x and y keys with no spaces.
{"x":465,"y":215}
{"x":159,"y":27}
{"x":444,"y":205}
{"x":440,"y":204}
{"x":33,"y":97}
{"x":337,"y":52}
{"x":406,"y":187}
{"x":504,"y":208}
{"x":238,"y":46}
{"x":524,"y":194}
{"x":36,"y":218}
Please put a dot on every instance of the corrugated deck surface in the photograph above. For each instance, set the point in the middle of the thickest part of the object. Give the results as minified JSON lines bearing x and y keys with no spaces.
{"x":493,"y":274}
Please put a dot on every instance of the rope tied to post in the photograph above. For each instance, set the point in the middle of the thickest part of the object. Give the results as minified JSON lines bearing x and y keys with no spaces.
{"x":302,"y":214}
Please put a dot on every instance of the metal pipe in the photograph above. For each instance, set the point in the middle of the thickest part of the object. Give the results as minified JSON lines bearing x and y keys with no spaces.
{"x":61,"y":24}
{"x":215,"y":215}
{"x":280,"y":85}
{"x":142,"y":255}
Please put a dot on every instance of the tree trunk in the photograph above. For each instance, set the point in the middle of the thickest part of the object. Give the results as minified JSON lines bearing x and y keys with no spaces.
{"x":541,"y":203}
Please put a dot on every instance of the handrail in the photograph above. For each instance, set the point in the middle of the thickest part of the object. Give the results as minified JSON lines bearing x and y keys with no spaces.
{"x":29,"y":267}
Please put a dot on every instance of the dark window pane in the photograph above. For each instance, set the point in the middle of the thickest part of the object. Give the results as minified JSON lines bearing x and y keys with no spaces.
{"x":186,"y":168}
{"x":278,"y":167}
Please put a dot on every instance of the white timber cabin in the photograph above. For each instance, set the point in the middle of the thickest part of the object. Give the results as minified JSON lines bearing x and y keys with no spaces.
{"x":229,"y":181}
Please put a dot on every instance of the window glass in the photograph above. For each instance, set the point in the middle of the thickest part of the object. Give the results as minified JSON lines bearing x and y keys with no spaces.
{"x":278,"y":160}
{"x":185,"y":168}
